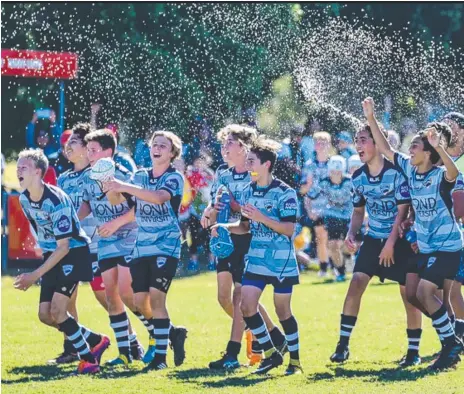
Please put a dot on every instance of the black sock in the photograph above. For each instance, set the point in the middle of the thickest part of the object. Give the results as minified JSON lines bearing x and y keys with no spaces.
{"x":259,"y":330}
{"x":452,"y":319}
{"x":441,"y":323}
{"x":323,"y":266}
{"x":120,"y":325}
{"x":72,"y":330}
{"x":459,"y":328}
{"x":277,"y":337}
{"x":414,"y":340}
{"x":162,"y":328}
{"x":233,"y":349}
{"x":341,"y":270}
{"x":347,"y":324}
{"x":68,"y":347}
{"x":172,"y":330}
{"x":255,"y":348}
{"x":331,"y":263}
{"x":290,"y":327}
{"x":91,"y":338}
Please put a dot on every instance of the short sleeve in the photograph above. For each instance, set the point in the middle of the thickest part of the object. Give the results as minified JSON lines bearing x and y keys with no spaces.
{"x":403,"y":162}
{"x":22,"y":202}
{"x":85,"y":187}
{"x":288,"y":206}
{"x":59,"y":181}
{"x":402,"y":195}
{"x":60,"y":217}
{"x":357,"y":197}
{"x":173,"y":184}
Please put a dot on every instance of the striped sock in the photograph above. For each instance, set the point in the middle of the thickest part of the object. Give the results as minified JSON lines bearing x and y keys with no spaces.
{"x":162,"y":327}
{"x":347,"y":324}
{"x":290,"y":327}
{"x":72,"y":330}
{"x":120,"y":325}
{"x":259,"y":330}
{"x":146,"y":322}
{"x":414,"y":337}
{"x":441,"y":323}
{"x":91,"y":338}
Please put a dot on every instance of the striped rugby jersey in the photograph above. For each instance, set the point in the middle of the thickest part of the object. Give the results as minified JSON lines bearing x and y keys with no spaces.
{"x":332,"y":200}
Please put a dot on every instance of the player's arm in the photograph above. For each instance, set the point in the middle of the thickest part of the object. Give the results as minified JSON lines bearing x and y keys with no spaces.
{"x":84,"y":210}
{"x":109,"y":228}
{"x":435,"y":139}
{"x":356,"y":222}
{"x":242,"y":225}
{"x":151,"y":196}
{"x":380,"y":140}
{"x":24,"y":281}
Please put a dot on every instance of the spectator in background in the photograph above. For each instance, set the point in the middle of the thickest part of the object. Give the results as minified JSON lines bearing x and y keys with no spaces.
{"x":122,"y":155}
{"x":345,"y":145}
{"x":142,"y":152}
{"x":394,"y":139}
{"x":201,"y":142}
{"x":42,"y":132}
{"x":61,"y":163}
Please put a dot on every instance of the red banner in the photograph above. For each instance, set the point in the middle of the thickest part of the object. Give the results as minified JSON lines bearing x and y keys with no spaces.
{"x":21,"y":242}
{"x":39,"y":64}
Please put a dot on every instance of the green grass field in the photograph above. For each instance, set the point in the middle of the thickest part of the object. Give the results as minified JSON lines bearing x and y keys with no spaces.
{"x":378,"y":342}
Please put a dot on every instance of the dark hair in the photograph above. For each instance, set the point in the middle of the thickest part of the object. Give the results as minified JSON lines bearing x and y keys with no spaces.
{"x":446,"y":133}
{"x":266,"y":150}
{"x":104,"y":137}
{"x":82,"y":130}
{"x":365,"y":127}
{"x":456,"y":117}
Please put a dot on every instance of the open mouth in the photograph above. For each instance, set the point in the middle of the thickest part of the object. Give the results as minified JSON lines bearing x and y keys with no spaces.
{"x":20,"y":178}
{"x":361,"y":154}
{"x":156,"y":156}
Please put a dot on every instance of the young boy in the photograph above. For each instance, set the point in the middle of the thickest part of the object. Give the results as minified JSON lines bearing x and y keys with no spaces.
{"x":439,"y":237}
{"x":236,"y":140}
{"x":382,"y":189}
{"x":66,"y":257}
{"x":269,"y":210}
{"x":158,"y":193}
{"x":333,"y":194}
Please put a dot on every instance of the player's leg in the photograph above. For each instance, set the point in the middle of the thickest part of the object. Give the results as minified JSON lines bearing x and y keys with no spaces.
{"x":224,"y":286}
{"x":322,"y":251}
{"x":437,"y":267}
{"x":119,"y":320}
{"x":127,"y":295}
{"x":282,"y":302}
{"x":457,"y":301}
{"x":336,"y":255}
{"x":414,"y":331}
{"x":253,"y":286}
{"x":140,"y":274}
{"x":278,"y":338}
{"x":69,"y":326}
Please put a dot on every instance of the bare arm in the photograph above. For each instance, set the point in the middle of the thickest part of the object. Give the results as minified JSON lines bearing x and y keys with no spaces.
{"x":380,"y":140}
{"x":152,"y":196}
{"x":109,"y":228}
{"x":395,"y":233}
{"x":357,"y":219}
{"x":281,"y":227}
{"x":84,"y":210}
{"x":452,"y":171}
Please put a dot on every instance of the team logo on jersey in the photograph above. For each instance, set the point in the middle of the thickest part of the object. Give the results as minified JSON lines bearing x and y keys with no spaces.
{"x":67,"y":269}
{"x":385,"y":189}
{"x":268,"y":206}
{"x":161,"y":261}
{"x":64,"y":224}
{"x":35,"y":204}
{"x":404,"y":190}
{"x":128,"y":258}
{"x":428,"y":182}
{"x":172,"y":184}
{"x":360,"y":189}
{"x":153,"y":181}
{"x":258,"y":193}
{"x":240,"y":176}
{"x":95,"y":267}
{"x":431,"y":261}
{"x":73,"y":174}
{"x":374,"y":179}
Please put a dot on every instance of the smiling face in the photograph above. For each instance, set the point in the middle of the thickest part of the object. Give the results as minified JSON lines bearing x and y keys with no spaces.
{"x":95,"y":152}
{"x":232,"y":149}
{"x":417,"y":152}
{"x":365,"y":146}
{"x":161,"y":151}
{"x":75,"y":150}
{"x":257,"y":169}
{"x":27,"y":172}
{"x":457,"y":134}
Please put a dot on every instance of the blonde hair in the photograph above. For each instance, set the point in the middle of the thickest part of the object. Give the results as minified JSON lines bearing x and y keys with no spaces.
{"x":38,"y":157}
{"x":322,"y":135}
{"x":244,"y":134}
{"x":176,"y":142}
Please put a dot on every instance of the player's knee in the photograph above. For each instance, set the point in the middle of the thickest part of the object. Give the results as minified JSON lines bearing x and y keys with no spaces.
{"x":45,"y":317}
{"x":421,"y":294}
{"x":357,"y":285}
{"x":248,"y":308}
{"x":58,"y":311}
{"x":224,"y":300}
{"x":283,"y":312}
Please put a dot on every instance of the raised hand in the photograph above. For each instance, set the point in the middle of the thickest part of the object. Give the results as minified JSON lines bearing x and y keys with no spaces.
{"x":368,"y":107}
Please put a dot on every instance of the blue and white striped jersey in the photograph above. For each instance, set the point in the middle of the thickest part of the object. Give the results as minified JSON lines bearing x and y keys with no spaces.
{"x":122,"y":242}
{"x":381,"y":195}
{"x":223,"y":167}
{"x":318,"y":169}
{"x":236,"y":183}
{"x":435,"y":223}
{"x":53,"y":218}
{"x":331,"y":199}
{"x":271,"y":253}
{"x":72,"y":182}
{"x":159,"y":231}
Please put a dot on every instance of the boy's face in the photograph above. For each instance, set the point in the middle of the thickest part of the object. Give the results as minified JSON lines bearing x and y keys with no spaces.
{"x":95,"y":152}
{"x":27,"y":172}
{"x":365,"y":146}
{"x":43,"y":139}
{"x":255,"y":167}
{"x":416,"y":151}
{"x":232,"y":149}
{"x":322,"y":145}
{"x":75,"y":149}
{"x":161,"y":151}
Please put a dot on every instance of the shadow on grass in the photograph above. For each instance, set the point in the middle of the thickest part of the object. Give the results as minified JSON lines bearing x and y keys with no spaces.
{"x":389,"y":374}
{"x":197,"y":376}
{"x":45,"y":373}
